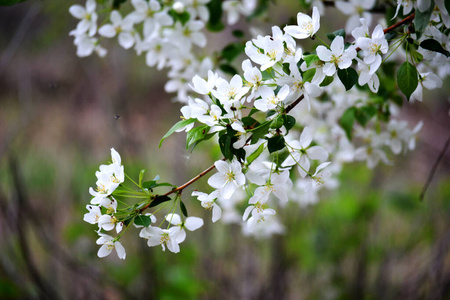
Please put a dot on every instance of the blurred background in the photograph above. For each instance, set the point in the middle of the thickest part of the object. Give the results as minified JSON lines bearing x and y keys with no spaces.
{"x":59,"y":115}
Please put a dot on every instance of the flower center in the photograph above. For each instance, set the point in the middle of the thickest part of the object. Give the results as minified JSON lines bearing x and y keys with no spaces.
{"x":229,"y":176}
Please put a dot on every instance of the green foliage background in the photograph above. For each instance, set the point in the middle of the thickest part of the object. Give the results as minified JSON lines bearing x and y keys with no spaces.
{"x":370,"y":239}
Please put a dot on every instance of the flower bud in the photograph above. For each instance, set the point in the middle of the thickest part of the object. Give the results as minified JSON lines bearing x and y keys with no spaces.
{"x":178,"y":7}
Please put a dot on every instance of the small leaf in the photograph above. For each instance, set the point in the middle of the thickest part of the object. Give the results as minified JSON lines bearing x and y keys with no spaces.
{"x":225,"y":143}
{"x":255,"y":154}
{"x":175,"y":127}
{"x":116,"y":3}
{"x":231,"y":51}
{"x":276,"y":143}
{"x":141,"y":176}
{"x":238,"y":33}
{"x":249,"y":122}
{"x":435,"y":46}
{"x":215,"y":16}
{"x":142,"y":220}
{"x":260,"y":131}
{"x":349,"y":77}
{"x":422,"y":19}
{"x":182,"y":17}
{"x":158,"y":200}
{"x":407,"y":79}
{"x":228,"y":69}
{"x":332,"y":36}
{"x":309,"y":59}
{"x":365,"y":113}
{"x":308,"y":75}
{"x":347,"y":120}
{"x":327,"y":81}
{"x":196,"y":134}
{"x":277,"y":122}
{"x":149,"y":184}
{"x":289,"y":122}
{"x":183,"y":209}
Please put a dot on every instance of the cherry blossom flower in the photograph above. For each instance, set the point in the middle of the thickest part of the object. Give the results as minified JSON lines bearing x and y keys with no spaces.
{"x":93,"y":215}
{"x":191,"y":224}
{"x":337,"y":57}
{"x":210,"y":202}
{"x":88,"y":17}
{"x":268,"y":98}
{"x":228,"y":178}
{"x":151,"y":14}
{"x":301,"y":152}
{"x":373,"y":48}
{"x":121,"y":27}
{"x":307,"y":26}
{"x":108,"y":244}
{"x":165,"y":237}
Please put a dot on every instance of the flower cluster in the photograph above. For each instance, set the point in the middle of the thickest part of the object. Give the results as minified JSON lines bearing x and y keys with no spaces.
{"x":166,"y":32}
{"x":284,"y":125}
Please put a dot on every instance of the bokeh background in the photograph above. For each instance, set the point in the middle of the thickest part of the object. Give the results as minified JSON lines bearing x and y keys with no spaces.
{"x":59,"y":115}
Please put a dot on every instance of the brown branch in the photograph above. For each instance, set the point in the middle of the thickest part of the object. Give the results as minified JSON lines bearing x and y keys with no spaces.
{"x":288,"y":109}
{"x":408,"y":19}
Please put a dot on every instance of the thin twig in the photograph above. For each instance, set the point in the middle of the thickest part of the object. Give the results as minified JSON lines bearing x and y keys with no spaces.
{"x":433,"y":169}
{"x":408,"y":19}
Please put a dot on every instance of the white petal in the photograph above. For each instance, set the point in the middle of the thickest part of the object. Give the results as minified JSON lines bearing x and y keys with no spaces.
{"x":193,"y":223}
{"x":216,"y":213}
{"x":120,"y":250}
{"x":104,"y":251}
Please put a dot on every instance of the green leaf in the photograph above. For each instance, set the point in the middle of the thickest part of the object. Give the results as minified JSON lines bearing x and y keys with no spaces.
{"x":238,"y":33}
{"x":308,"y":75}
{"x":289,"y":122}
{"x":349,"y":77}
{"x":175,"y":127}
{"x":365,"y":113}
{"x":196,"y":134}
{"x":152,"y":184}
{"x":183,"y":209}
{"x":447,"y":7}
{"x":255,"y":154}
{"x":158,"y":200}
{"x":347,"y":120}
{"x":407,"y":79}
{"x":127,"y":221}
{"x":228,"y":69}
{"x":435,"y":46}
{"x":116,"y":3}
{"x":225,"y":143}
{"x":260,"y":131}
{"x":277,"y":122}
{"x":231,"y":51}
{"x":276,"y":143}
{"x":309,"y":59}
{"x":215,"y":16}
{"x":333,"y":35}
{"x":249,"y":122}
{"x":327,"y":81}
{"x":141,"y":176}
{"x":422,"y":19}
{"x":142,"y":220}
{"x":182,"y":17}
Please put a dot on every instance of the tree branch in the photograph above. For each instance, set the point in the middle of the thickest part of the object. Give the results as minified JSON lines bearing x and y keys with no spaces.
{"x":288,"y":109}
{"x":408,"y":19}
